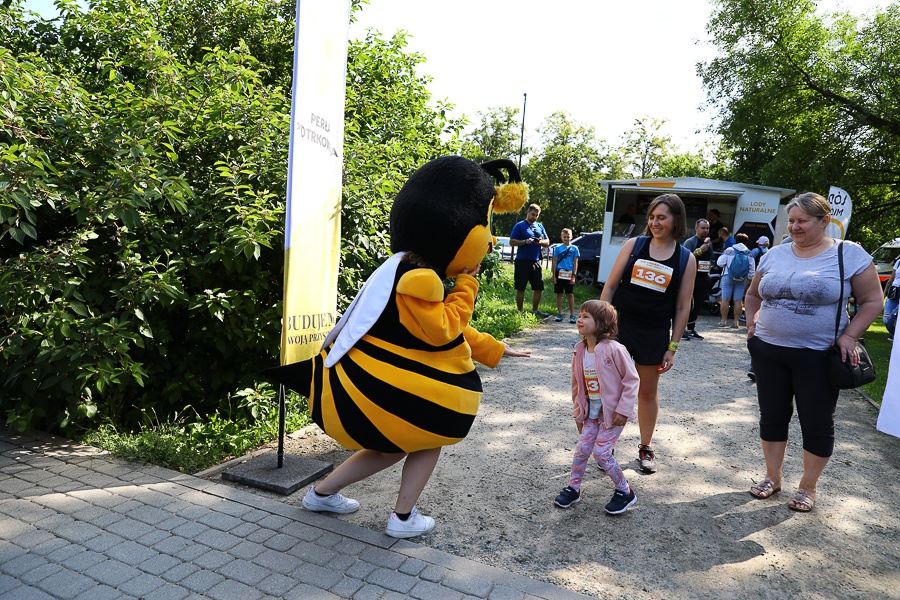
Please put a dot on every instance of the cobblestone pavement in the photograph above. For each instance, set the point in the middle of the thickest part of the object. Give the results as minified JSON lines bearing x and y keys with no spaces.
{"x":77,"y":523}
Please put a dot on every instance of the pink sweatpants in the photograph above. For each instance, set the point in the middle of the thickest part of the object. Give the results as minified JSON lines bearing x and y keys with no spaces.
{"x":600,"y":440}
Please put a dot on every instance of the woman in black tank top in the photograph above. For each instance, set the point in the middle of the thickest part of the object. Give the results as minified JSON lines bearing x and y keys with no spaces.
{"x":651,"y":290}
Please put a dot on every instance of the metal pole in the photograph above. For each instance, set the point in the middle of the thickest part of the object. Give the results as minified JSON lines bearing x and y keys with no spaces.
{"x":522,"y":135}
{"x":281,"y":411}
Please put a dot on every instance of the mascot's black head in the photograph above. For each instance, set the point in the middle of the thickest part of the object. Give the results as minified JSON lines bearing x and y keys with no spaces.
{"x":443,"y":211}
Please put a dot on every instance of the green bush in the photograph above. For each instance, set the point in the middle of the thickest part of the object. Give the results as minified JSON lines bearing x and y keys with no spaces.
{"x":143,"y":157}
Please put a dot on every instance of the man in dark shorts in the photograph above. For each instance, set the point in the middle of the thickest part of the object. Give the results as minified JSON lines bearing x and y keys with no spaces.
{"x":700,"y":245}
{"x":529,"y":237}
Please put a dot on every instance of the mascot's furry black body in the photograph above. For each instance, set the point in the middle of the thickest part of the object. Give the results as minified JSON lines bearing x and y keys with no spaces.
{"x":397,"y":374}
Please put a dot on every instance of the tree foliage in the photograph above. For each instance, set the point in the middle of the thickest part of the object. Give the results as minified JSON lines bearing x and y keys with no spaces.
{"x":563,"y":175}
{"x":143,"y":153}
{"x":806,"y":100}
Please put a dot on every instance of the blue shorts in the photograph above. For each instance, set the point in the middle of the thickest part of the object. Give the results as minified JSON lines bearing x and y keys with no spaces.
{"x":733,"y":290}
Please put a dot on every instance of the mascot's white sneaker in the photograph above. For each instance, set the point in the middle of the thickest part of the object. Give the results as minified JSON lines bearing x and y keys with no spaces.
{"x":415,"y":525}
{"x":335,"y":503}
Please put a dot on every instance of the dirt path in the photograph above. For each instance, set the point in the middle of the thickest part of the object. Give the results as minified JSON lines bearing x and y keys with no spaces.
{"x":695,"y":532}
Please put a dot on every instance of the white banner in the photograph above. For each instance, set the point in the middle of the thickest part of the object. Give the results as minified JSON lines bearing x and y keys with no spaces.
{"x":313,"y":214}
{"x":841,"y":208}
{"x":889,"y":415}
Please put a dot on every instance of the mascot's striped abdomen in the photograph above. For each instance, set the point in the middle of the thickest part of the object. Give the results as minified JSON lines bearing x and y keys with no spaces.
{"x":391,"y":392}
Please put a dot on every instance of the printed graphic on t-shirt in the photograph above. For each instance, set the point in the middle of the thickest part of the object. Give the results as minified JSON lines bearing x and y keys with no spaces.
{"x":801,"y":299}
{"x":703,"y":266}
{"x":651,"y":275}
{"x":591,"y":383}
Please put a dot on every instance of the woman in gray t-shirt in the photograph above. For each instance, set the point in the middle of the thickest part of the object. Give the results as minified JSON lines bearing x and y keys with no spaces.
{"x":791,"y":308}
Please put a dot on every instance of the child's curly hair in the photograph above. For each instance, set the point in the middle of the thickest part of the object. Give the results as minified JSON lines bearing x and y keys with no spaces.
{"x":606,"y":318}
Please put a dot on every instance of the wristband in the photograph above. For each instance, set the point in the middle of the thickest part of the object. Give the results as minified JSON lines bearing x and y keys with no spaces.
{"x":673,"y":346}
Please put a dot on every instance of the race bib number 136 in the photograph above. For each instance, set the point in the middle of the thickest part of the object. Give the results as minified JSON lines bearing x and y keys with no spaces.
{"x":651,"y":274}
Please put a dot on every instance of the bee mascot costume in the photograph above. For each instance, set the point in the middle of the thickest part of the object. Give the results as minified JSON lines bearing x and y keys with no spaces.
{"x":395,"y":377}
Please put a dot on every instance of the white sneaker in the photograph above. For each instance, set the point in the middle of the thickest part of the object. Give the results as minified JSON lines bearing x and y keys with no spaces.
{"x":415,"y":525}
{"x":335,"y":503}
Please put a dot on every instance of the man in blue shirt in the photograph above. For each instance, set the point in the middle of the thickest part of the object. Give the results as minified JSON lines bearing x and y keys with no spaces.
{"x":529,"y":237}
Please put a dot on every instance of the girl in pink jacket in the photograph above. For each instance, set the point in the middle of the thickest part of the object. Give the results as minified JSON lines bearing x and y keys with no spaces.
{"x":604,"y":393}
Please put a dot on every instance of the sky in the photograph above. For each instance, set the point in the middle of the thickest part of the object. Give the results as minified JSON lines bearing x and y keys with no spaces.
{"x":607,"y":63}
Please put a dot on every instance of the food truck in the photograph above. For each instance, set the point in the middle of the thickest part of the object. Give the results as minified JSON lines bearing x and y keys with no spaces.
{"x":744,"y":208}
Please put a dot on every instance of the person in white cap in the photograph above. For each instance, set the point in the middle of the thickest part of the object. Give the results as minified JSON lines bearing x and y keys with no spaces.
{"x":762,"y":246}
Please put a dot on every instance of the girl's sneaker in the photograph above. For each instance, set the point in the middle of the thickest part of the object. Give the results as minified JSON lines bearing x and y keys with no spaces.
{"x":621,"y":502}
{"x":567,"y":497}
{"x":559,"y":317}
{"x":415,"y":525}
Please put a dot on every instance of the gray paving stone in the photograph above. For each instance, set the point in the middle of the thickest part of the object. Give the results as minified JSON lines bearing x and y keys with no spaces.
{"x":190,"y":529}
{"x":349,"y":546}
{"x":78,"y":532}
{"x":171,"y":523}
{"x":468,"y":584}
{"x":382,"y":558}
{"x":112,"y":572}
{"x":308,"y":592}
{"x":281,"y":542}
{"x":426,"y":590}
{"x":341,"y":562}
{"x":317,"y":576}
{"x":131,"y":553}
{"x":434,"y":573}
{"x":130,"y":529}
{"x":247,"y":550}
{"x":220,"y":521}
{"x":83,"y":561}
{"x":234,"y":590}
{"x":202,"y":581}
{"x":22,"y":563}
{"x":220,"y":540}
{"x":179,"y":572}
{"x":101,"y":592}
{"x":277,"y":561}
{"x":245,"y":529}
{"x":244,"y":571}
{"x":159,"y":564}
{"x":312,"y":553}
{"x":501,"y":592}
{"x":11,"y":528}
{"x":276,"y":585}
{"x":347,"y":587}
{"x":302,"y":531}
{"x":141,"y":586}
{"x":360,"y":569}
{"x":44,"y":549}
{"x":27,"y":592}
{"x":213,"y":560}
{"x":413,"y":566}
{"x":274,"y":522}
{"x":369,"y":592}
{"x":168,"y":591}
{"x":40,"y":573}
{"x":33,"y":539}
{"x":392,"y":580}
{"x":153,"y":538}
{"x":103,"y":542}
{"x":150,"y":515}
{"x":97,"y":516}
{"x":7,"y":584}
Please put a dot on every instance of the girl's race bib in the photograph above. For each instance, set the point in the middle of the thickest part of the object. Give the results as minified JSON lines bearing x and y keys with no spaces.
{"x":566,"y":275}
{"x":651,"y":275}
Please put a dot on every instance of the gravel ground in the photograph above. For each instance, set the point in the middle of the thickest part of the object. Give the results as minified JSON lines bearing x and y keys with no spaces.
{"x":695,"y":532}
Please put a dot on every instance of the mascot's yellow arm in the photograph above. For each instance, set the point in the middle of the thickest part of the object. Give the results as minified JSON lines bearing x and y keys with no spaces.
{"x":436,"y":322}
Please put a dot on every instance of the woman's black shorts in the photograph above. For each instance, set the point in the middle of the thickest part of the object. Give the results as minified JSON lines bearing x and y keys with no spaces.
{"x":647,"y":344}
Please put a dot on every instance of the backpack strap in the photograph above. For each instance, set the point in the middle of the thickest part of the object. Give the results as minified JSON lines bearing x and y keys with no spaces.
{"x":639,"y":243}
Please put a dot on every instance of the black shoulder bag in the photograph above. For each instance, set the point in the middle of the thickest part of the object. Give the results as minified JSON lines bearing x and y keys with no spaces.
{"x":843,"y":375}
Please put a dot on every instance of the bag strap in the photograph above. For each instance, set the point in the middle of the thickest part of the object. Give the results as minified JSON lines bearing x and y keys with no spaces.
{"x":837,"y":319}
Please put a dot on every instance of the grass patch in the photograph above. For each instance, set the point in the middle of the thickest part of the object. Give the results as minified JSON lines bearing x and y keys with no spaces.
{"x":190,"y":442}
{"x":880,"y":351}
{"x":496,"y":312}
